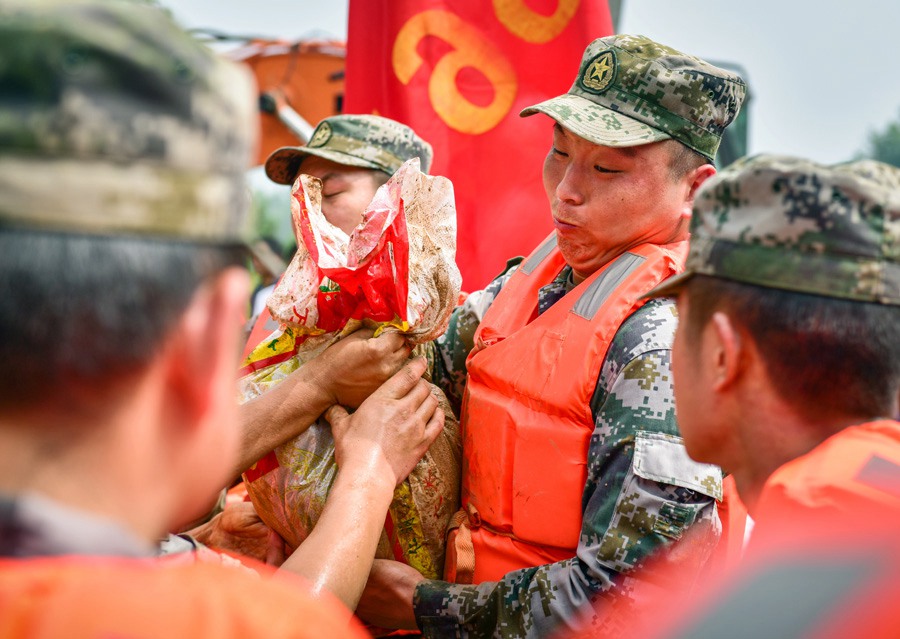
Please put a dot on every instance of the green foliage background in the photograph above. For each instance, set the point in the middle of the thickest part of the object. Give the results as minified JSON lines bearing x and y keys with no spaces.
{"x":884,"y":145}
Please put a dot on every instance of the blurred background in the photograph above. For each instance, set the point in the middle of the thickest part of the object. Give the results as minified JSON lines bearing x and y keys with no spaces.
{"x":823,"y":74}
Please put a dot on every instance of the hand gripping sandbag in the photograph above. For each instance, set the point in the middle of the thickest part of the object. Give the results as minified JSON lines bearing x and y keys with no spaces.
{"x":396,"y":271}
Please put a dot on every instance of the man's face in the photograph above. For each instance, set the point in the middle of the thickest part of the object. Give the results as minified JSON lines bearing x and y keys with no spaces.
{"x":346,"y":190}
{"x":605,"y":200}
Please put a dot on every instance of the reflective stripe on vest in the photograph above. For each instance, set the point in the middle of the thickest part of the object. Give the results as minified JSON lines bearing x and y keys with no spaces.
{"x":527,"y":417}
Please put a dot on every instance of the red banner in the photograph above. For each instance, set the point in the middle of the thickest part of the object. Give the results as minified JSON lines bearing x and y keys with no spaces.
{"x":459,"y":72}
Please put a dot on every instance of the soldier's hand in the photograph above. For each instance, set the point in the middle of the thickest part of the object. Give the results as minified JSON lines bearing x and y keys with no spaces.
{"x":239,"y":529}
{"x":352,"y":368}
{"x":392,"y":429}
{"x":387,"y":600}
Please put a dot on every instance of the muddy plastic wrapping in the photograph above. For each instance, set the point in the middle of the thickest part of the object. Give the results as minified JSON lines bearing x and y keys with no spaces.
{"x":398,"y":266}
{"x":397,"y":272}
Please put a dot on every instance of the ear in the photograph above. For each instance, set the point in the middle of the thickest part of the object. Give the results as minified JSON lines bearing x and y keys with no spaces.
{"x":693,"y":181}
{"x":202,"y":350}
{"x":727,"y":351}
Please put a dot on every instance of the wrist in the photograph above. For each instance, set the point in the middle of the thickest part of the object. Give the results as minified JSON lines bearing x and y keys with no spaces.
{"x":307,"y":391}
{"x":318,"y":377}
{"x":370,"y":472}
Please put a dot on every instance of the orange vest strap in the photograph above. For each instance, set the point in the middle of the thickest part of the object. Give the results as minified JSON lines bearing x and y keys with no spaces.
{"x":460,"y":556}
{"x":119,"y":597}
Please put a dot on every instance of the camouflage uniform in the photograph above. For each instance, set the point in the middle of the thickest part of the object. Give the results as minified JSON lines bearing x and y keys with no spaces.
{"x":631,"y":90}
{"x":634,"y":392}
{"x":367,"y":141}
{"x":114,"y":122}
{"x":662,"y":94}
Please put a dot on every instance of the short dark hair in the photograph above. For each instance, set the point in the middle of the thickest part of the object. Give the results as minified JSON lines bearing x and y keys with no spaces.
{"x":79,"y":311}
{"x":823,"y":355}
{"x":683,"y":159}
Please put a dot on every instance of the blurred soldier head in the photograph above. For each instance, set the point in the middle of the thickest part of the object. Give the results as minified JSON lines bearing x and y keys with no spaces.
{"x":789,"y":307}
{"x":123,"y":216}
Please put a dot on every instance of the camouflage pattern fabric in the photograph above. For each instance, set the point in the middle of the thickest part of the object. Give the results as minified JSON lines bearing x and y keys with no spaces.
{"x":631,"y":90}
{"x":791,"y":224}
{"x":368,"y":141}
{"x":113,"y":101}
{"x":642,"y":489}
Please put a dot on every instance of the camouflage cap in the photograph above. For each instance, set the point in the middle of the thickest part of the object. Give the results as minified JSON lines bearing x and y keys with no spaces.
{"x":631,"y":90}
{"x":791,"y":224}
{"x":113,"y":120}
{"x":368,"y":141}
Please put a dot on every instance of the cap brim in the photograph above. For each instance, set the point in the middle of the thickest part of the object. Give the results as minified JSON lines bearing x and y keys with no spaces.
{"x":137,"y":198}
{"x":282,"y":165}
{"x":596,"y":123}
{"x":670,"y":287}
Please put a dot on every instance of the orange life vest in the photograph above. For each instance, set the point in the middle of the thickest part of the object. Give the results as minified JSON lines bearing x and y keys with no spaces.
{"x":855,"y":467}
{"x":527,"y":418}
{"x":827,"y":526}
{"x":77,"y":596}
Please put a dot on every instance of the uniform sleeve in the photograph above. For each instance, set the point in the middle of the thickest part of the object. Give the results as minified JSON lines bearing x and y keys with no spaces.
{"x":642,"y":492}
{"x":453,"y":347}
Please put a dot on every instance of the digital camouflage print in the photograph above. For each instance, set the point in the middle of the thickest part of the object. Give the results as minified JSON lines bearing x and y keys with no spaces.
{"x":111,"y":99}
{"x":791,"y":224}
{"x":631,"y":90}
{"x":642,"y":490}
{"x":368,"y":141}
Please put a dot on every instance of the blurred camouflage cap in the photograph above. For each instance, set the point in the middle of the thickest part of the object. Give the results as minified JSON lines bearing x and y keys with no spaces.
{"x":115,"y":121}
{"x":631,"y":90}
{"x":368,"y":141}
{"x":791,"y":224}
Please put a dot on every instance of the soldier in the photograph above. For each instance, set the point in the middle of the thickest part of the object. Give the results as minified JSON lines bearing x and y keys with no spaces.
{"x":574,"y":469}
{"x":793,"y":284}
{"x":787,"y":374}
{"x":353,"y":155}
{"x":123,"y":211}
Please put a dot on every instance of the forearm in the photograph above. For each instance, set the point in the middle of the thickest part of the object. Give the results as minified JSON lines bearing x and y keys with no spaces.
{"x":280,"y":414}
{"x":337,"y":556}
{"x":546,"y":598}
